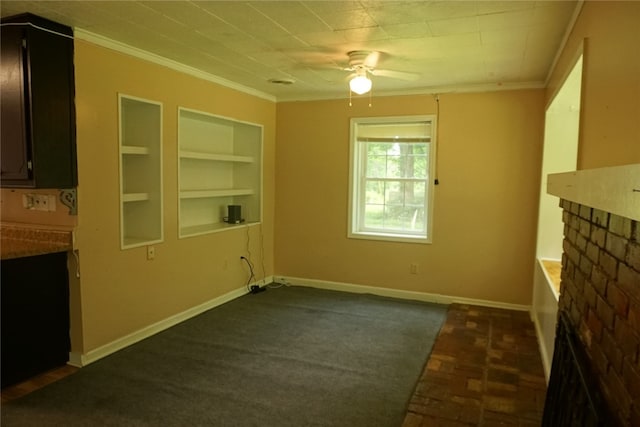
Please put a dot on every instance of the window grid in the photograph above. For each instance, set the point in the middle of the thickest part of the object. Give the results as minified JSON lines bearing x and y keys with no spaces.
{"x":387,"y":207}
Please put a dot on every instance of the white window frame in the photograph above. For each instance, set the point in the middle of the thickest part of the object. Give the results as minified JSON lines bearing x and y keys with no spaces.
{"x":356,"y":184}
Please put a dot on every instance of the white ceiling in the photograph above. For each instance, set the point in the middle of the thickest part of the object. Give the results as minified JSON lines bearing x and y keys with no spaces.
{"x":450,"y":45}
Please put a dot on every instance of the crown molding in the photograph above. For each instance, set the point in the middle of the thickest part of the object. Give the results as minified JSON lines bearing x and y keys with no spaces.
{"x":431,"y":90}
{"x":565,"y":39}
{"x":108,"y":43}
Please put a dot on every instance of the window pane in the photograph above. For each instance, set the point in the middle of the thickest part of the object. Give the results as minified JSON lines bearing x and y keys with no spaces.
{"x":376,"y":166}
{"x":395,"y":205}
{"x":373,"y":216}
{"x":419,"y":166}
{"x":415,"y":161}
{"x":416,"y":194}
{"x":401,"y":218}
{"x":416,"y":222}
{"x":394,"y":217}
{"x":393,"y":193}
{"x":394,"y":166}
{"x":376,"y":148}
{"x":420,"y":149}
{"x":375,"y":192}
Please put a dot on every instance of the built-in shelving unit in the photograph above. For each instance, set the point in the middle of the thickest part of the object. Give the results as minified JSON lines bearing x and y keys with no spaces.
{"x":141,"y":220}
{"x":220,"y":164}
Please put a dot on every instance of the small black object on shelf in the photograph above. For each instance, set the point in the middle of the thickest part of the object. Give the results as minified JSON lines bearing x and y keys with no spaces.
{"x":234,"y":215}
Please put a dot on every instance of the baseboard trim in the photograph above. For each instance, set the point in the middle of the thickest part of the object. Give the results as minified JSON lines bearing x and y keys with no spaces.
{"x":83,"y":359}
{"x":397,"y":293}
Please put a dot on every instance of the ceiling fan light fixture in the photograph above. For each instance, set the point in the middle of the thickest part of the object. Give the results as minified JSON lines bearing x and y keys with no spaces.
{"x":360,"y":84}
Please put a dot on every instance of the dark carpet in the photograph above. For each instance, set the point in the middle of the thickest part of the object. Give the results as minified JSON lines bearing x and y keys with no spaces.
{"x":285,"y":357}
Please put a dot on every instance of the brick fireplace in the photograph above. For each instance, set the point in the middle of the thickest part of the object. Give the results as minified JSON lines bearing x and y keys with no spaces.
{"x":600,"y":294}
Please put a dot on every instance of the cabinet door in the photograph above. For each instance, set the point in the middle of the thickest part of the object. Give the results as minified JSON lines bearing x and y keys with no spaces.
{"x":52,"y":109}
{"x":15,"y":149}
{"x":38,"y":111}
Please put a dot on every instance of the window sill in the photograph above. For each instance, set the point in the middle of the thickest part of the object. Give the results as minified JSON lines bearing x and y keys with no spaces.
{"x":388,"y":237}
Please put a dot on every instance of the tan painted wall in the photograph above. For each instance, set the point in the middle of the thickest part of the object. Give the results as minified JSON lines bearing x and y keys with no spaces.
{"x":121,"y":291}
{"x":485,"y":206}
{"x":610,"y":121}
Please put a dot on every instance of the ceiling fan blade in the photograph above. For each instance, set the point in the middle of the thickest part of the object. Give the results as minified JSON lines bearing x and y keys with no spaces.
{"x":371,"y":60}
{"x":402,"y":75}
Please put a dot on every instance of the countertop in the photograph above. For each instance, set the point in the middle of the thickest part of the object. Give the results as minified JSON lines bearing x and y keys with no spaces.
{"x":23,"y":240}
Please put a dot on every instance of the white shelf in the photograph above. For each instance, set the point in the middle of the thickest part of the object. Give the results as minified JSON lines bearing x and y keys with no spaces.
{"x":134,"y":149}
{"x":199,"y":194}
{"x":140,"y":135}
{"x":219,"y":164}
{"x":195,"y":230}
{"x":216,"y":157}
{"x":135,"y":197}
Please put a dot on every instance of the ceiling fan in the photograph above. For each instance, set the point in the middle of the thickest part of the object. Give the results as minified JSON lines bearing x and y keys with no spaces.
{"x":363,"y":63}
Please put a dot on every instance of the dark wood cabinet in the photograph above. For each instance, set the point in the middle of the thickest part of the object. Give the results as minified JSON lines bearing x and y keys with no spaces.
{"x":37,"y":104}
{"x":35,"y":315}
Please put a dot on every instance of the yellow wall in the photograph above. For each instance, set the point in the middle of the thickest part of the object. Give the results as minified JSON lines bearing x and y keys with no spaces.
{"x":121,"y":291}
{"x":610,"y":116}
{"x":489,"y":147}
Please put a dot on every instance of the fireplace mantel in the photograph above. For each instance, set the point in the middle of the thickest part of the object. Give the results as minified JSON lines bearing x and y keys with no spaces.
{"x":613,"y":189}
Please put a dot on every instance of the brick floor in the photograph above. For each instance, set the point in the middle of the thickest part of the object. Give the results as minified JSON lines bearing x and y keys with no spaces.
{"x":484,"y":370}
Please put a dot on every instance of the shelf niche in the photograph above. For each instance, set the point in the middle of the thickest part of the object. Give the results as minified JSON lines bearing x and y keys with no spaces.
{"x":141,"y":221}
{"x":220,"y":164}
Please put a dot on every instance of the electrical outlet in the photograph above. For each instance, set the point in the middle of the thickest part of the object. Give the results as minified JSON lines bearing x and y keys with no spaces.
{"x":413,"y":268}
{"x":39,"y":202}
{"x":151,"y":252}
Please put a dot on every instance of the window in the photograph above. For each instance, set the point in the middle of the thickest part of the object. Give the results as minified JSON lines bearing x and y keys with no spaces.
{"x":391,"y":185}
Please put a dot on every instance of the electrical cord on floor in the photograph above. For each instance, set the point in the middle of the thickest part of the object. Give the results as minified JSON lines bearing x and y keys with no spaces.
{"x":251,"y":276}
{"x":254,"y":289}
{"x":275,"y":285}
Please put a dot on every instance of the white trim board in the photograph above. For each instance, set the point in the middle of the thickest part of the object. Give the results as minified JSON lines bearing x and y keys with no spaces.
{"x":614,"y":189}
{"x":544,"y":356}
{"x":83,"y":359}
{"x":103,"y":41}
{"x":396,"y":293}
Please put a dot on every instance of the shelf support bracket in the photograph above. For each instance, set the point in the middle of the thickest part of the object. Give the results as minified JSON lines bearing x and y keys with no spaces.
{"x":69,"y":199}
